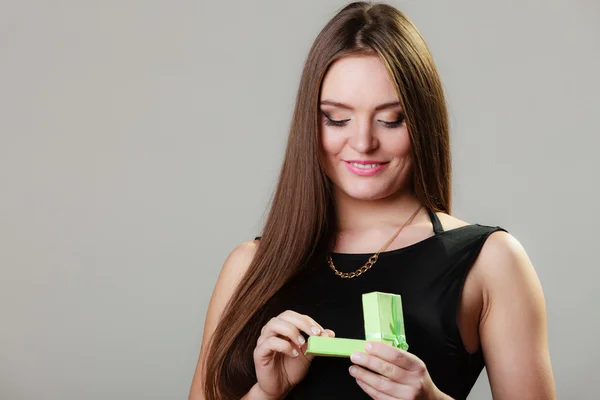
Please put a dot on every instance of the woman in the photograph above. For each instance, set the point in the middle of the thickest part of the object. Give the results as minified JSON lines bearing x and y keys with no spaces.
{"x":362,"y":204}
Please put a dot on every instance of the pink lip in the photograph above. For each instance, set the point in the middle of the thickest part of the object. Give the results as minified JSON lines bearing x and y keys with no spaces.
{"x":363,"y":162}
{"x":365,"y":171}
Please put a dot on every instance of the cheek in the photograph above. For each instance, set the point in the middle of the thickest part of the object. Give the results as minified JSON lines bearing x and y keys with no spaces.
{"x":331,"y":146}
{"x":403,"y":151}
{"x":399,"y":146}
{"x":331,"y":143}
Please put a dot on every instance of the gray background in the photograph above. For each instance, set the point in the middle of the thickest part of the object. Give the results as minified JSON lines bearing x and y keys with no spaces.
{"x":140,"y":142}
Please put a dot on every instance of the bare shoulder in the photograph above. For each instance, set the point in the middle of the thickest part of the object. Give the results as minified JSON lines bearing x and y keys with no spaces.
{"x":503,"y":260}
{"x":239,"y":259}
{"x":235,"y":266}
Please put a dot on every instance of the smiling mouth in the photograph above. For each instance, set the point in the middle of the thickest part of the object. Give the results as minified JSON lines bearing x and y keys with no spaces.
{"x":369,"y":164}
{"x":365,"y":166}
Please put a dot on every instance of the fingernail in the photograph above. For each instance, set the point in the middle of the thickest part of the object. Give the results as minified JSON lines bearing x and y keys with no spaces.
{"x":355,"y":357}
{"x":368,"y":346}
{"x":295,"y":353}
{"x":315,"y":330}
{"x":352,"y":370}
{"x":301,"y":340}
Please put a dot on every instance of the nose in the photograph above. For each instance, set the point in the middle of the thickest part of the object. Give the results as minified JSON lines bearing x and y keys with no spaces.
{"x":363,"y":138}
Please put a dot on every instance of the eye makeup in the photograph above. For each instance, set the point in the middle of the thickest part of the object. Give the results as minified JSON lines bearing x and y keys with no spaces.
{"x":332,"y":122}
{"x":394,"y":124}
{"x":340,"y":123}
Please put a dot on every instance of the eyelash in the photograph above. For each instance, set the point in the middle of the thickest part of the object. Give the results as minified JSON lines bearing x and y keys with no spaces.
{"x":341,"y":123}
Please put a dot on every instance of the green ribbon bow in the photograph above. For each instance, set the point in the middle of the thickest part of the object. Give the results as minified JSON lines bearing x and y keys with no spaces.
{"x":397,"y":337}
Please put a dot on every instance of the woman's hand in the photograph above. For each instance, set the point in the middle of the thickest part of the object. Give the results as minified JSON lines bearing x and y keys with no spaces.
{"x":279,"y":356}
{"x":387,"y":372}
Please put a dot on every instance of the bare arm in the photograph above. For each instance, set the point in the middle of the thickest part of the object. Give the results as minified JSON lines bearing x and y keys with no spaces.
{"x":513,"y":323}
{"x":233,"y":269}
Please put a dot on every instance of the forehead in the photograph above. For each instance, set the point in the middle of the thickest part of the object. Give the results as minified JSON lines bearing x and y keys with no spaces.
{"x":361,"y":81}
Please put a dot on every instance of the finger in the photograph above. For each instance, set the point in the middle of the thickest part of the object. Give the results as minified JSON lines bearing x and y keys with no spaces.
{"x":303,"y":322}
{"x":372,"y":392}
{"x":310,"y":357}
{"x":278,"y":326}
{"x":379,"y":382}
{"x":396,"y":356}
{"x":378,"y":385}
{"x":274,"y":344}
{"x":379,"y":366}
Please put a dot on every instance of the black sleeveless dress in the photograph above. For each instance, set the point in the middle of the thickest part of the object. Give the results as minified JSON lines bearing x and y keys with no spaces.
{"x":429,"y":275}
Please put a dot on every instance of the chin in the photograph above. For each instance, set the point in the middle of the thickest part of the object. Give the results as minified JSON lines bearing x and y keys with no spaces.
{"x":364,"y":192}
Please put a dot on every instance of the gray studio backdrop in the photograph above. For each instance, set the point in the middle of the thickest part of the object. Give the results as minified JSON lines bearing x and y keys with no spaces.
{"x":140,"y":142}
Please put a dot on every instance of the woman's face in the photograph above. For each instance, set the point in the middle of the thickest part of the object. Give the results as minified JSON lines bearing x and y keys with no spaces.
{"x":364,"y":140}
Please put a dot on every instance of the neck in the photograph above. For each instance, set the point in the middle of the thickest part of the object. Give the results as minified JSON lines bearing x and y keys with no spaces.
{"x":355,"y":215}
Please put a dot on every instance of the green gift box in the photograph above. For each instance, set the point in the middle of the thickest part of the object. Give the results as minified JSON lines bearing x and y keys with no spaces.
{"x":334,"y":347}
{"x":384,"y":322}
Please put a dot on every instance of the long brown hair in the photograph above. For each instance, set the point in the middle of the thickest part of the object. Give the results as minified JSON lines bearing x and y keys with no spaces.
{"x":301,"y":221}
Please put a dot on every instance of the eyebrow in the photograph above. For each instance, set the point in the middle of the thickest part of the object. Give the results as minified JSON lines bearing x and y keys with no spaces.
{"x":337,"y":104}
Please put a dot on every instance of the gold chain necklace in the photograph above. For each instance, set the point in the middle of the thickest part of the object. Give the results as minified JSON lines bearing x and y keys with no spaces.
{"x":373,"y":259}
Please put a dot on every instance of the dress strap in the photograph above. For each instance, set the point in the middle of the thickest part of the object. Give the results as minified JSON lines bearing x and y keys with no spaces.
{"x":437,"y":225}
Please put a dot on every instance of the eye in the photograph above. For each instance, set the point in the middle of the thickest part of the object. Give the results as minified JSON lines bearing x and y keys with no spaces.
{"x":396,"y":123}
{"x":333,"y":122}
